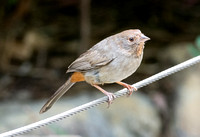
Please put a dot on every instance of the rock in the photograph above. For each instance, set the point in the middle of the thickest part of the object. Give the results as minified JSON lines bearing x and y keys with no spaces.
{"x":186,"y":106}
{"x":187,"y":121}
{"x":128,"y":117}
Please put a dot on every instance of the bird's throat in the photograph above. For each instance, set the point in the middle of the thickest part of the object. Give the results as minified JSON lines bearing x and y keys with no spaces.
{"x":139,"y":49}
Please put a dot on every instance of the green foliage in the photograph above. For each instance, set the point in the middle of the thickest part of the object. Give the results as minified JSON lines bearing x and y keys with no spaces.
{"x":197,"y":42}
{"x":194,"y":49}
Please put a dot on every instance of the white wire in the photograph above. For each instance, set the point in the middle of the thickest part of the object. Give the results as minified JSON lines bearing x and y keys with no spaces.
{"x":50,"y":120}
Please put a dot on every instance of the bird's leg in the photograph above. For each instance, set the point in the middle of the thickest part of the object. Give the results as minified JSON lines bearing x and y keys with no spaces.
{"x":129,"y":87}
{"x":111,"y":96}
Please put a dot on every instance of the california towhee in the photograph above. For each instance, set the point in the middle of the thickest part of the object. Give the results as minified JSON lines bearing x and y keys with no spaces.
{"x":109,"y":61}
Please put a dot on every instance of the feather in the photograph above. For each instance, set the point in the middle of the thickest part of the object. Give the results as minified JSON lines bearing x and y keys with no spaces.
{"x":60,"y":92}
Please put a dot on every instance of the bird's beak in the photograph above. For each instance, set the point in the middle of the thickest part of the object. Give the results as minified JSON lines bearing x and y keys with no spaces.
{"x":144,"y":38}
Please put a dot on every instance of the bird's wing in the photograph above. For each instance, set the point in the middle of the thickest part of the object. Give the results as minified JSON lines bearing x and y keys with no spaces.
{"x":92,"y":59}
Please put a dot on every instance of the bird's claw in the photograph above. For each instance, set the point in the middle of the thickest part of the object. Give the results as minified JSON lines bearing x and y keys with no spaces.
{"x":131,"y":89}
{"x":111,"y":97}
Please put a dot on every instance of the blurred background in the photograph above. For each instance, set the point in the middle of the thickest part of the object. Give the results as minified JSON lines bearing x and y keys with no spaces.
{"x":39,"y":39}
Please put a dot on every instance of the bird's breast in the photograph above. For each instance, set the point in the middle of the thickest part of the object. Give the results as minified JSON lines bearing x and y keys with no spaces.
{"x":119,"y":69}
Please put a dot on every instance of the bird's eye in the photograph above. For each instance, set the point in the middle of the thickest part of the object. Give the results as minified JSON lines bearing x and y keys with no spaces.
{"x":131,"y":39}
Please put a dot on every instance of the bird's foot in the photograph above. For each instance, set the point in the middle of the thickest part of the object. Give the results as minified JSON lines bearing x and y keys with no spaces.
{"x":129,"y":87}
{"x":111,"y":97}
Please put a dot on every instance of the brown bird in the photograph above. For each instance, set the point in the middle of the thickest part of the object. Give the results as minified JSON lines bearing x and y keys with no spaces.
{"x":109,"y":61}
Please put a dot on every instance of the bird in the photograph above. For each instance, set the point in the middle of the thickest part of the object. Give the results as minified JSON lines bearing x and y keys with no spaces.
{"x":110,"y":61}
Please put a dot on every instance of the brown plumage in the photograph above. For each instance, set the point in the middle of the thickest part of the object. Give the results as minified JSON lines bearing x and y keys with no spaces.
{"x":109,"y":61}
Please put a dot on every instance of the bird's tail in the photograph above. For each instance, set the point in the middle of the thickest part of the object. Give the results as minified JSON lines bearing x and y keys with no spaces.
{"x":61,"y":91}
